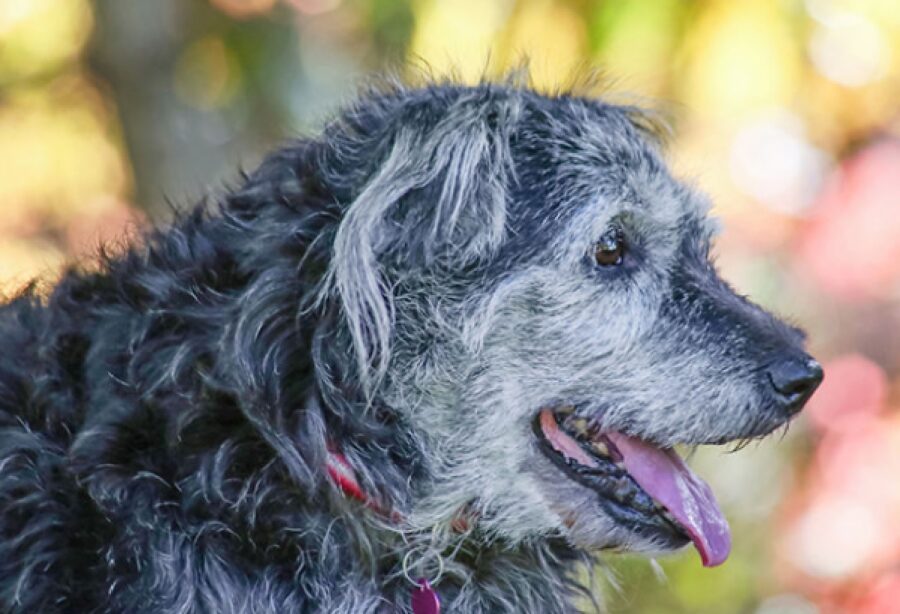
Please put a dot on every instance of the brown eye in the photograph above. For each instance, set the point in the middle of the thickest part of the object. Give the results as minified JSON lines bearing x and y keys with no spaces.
{"x":610,"y":249}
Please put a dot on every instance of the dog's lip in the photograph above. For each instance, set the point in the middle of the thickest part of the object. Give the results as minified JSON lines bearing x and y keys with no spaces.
{"x":621,"y":498}
{"x":672,"y":490}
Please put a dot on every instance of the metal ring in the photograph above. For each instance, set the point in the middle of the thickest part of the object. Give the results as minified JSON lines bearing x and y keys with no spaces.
{"x":433,"y":581}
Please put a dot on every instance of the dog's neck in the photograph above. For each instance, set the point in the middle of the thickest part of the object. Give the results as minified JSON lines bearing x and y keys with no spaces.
{"x":467,"y":572}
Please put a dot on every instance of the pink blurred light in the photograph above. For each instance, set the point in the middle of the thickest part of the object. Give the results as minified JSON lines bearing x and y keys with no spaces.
{"x":852,"y":245}
{"x":848,"y":522}
{"x":854,"y":387}
{"x":864,"y":464}
{"x":882,"y":597}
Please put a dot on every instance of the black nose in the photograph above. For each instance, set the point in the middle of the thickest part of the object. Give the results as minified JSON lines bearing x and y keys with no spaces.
{"x":794,"y":380}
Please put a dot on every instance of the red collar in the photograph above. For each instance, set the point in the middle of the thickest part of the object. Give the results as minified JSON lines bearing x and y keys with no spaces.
{"x":423,"y":599}
{"x":342,"y":474}
{"x":344,"y":477}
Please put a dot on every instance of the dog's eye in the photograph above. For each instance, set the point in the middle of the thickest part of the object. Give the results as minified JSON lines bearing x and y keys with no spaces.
{"x":610,"y":249}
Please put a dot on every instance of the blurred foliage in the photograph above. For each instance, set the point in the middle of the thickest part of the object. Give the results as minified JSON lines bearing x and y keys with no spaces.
{"x":786,"y":112}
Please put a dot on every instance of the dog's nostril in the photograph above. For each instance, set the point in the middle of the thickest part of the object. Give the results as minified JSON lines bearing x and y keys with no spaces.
{"x":795,"y":379}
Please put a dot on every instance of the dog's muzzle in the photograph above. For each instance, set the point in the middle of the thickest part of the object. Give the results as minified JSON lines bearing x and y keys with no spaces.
{"x":648,"y":489}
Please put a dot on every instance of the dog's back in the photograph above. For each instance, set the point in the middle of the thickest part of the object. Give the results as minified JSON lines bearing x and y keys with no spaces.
{"x":97,"y":381}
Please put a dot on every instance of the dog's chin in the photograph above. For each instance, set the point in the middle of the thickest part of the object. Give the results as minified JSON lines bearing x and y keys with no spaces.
{"x":613,"y":492}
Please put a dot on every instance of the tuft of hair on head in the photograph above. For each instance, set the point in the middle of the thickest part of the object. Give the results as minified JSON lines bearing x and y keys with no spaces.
{"x":652,"y":118}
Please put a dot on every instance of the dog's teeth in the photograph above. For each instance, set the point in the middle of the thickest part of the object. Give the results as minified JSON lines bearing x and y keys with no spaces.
{"x":601,"y":448}
{"x":580,"y":425}
{"x":566,"y":410}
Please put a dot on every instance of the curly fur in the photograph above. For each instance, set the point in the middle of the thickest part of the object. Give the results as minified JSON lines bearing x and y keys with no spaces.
{"x":410,"y":286}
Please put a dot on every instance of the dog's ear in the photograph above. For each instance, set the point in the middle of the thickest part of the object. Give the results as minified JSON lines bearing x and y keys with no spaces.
{"x":436,"y":199}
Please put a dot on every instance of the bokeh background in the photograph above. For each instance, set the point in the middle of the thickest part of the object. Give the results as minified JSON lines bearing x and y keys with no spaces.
{"x":786,"y":111}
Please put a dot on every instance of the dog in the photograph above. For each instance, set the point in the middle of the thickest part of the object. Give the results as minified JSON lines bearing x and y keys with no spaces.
{"x":437,"y":355}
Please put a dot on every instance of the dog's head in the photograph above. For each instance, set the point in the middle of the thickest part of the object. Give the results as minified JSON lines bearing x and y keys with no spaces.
{"x":527,"y":287}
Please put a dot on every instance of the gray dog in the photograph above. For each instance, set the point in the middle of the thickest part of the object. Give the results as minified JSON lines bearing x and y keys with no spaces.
{"x":438,"y":354}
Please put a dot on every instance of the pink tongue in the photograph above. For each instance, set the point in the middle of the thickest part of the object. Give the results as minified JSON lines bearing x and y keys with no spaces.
{"x":666,"y":477}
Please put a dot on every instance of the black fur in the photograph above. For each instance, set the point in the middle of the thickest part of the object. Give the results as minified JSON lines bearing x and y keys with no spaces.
{"x":164,"y":419}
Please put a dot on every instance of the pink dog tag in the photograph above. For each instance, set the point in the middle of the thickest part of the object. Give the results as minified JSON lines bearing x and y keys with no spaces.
{"x":425,"y":600}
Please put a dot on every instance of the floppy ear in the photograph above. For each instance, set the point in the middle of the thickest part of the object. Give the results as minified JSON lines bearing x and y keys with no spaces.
{"x":437,"y":199}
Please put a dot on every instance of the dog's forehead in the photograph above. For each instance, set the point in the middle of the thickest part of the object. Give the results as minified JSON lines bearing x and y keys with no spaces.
{"x":581,"y":163}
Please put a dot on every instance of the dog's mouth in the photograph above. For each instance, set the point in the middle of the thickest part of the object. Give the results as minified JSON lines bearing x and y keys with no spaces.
{"x":646,"y":489}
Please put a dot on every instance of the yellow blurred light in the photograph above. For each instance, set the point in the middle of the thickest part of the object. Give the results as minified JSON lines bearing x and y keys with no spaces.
{"x":39,"y":35}
{"x":640,"y":42}
{"x":458,"y":36}
{"x":207,"y":75}
{"x":58,"y":153}
{"x":740,"y":56}
{"x":552,"y":37}
{"x":22,"y":260}
{"x":850,"y":50}
{"x":14,"y":12}
{"x":884,"y":12}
